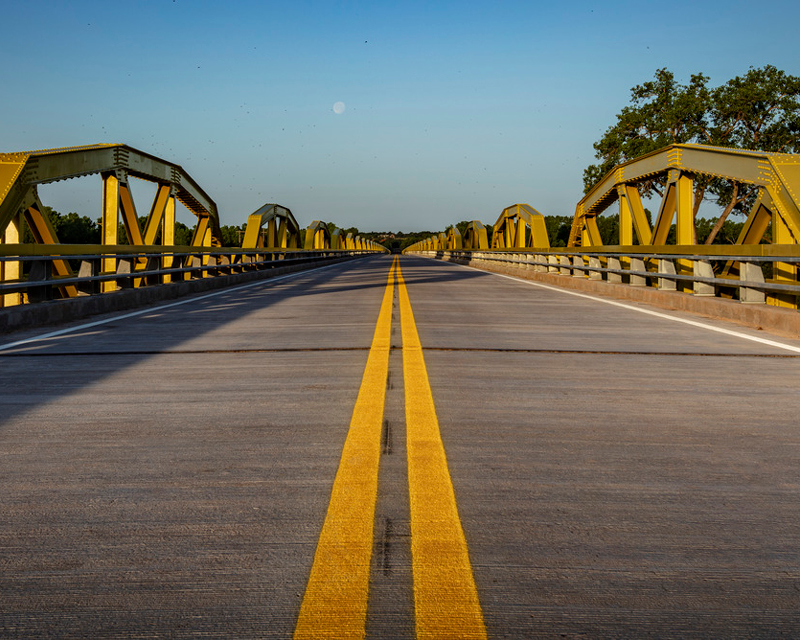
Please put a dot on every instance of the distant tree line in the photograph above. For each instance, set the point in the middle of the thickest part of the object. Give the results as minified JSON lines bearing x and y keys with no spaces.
{"x":72,"y":228}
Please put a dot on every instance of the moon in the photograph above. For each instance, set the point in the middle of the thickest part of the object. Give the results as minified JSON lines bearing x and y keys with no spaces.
{"x":338,"y":108}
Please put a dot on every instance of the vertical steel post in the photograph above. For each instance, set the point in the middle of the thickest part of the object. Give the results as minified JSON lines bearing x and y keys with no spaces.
{"x":110,"y":222}
{"x":168,"y":233}
{"x":782,"y":272}
{"x":11,"y":270}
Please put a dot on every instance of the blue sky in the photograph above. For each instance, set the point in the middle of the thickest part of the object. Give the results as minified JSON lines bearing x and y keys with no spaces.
{"x":452,"y":110}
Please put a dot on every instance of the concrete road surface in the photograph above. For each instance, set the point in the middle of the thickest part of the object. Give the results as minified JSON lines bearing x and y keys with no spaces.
{"x":167,"y":472}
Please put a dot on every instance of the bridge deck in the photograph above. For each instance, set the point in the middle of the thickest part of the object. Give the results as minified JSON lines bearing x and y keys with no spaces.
{"x":617,"y":474}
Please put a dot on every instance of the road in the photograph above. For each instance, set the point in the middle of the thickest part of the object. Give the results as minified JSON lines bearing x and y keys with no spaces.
{"x":617,"y":471}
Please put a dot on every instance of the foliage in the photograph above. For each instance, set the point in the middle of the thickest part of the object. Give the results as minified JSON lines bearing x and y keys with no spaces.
{"x":183,"y":234}
{"x":231,"y":235}
{"x":558,"y":228}
{"x":70,"y":228}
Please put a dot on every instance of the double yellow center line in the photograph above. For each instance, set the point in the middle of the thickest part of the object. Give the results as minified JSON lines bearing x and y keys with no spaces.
{"x":445,"y":598}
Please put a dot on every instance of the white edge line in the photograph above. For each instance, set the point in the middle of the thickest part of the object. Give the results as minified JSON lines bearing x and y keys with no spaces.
{"x":694,"y":323}
{"x":187,"y":300}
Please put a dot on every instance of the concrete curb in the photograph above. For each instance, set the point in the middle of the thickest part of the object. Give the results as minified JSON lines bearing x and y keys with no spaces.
{"x":28,"y":316}
{"x":785,"y":322}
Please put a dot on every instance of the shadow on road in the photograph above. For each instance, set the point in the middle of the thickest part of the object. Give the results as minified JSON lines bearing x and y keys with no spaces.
{"x":44,"y":370}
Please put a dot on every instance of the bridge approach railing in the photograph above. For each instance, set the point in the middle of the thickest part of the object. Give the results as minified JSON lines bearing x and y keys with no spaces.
{"x":99,"y":269}
{"x":749,"y":273}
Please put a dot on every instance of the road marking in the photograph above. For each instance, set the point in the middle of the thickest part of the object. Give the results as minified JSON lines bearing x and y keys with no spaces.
{"x":97,"y":323}
{"x":445,"y":597}
{"x":693,"y":323}
{"x":335,"y":601}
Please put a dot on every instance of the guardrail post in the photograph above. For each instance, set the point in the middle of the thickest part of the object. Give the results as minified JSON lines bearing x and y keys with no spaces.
{"x":154,"y":263}
{"x":225,"y":265}
{"x":751,"y":272}
{"x":702,"y":269}
{"x":88,"y":269}
{"x":211,"y":261}
{"x":566,"y":266}
{"x":577,"y":261}
{"x":667,"y":267}
{"x":41,"y":271}
{"x":194,"y":262}
{"x":124,"y":266}
{"x":637,"y":264}
{"x":552,"y":262}
{"x":594,"y":263}
{"x":613,"y":263}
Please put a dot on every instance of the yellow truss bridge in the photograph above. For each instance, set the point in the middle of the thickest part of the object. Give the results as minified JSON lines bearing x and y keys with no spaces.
{"x":272,"y":227}
{"x":642,"y":256}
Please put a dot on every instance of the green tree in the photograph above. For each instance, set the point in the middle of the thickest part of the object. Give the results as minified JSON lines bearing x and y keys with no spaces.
{"x":662,"y":112}
{"x":759,"y":110}
{"x":70,"y":228}
{"x":232,"y":235}
{"x":183,"y":234}
{"x":74,"y":229}
{"x":462,"y":227}
{"x":558,"y":228}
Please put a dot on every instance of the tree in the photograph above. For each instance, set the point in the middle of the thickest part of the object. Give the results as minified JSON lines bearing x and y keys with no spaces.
{"x":759,"y":110}
{"x":70,"y":228}
{"x":231,"y":235}
{"x":663,"y":112}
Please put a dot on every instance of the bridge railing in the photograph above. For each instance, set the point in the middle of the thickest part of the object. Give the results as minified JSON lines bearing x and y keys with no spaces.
{"x":750,"y":273}
{"x":30,"y":273}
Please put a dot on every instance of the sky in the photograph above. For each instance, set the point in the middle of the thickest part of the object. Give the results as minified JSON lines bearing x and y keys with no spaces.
{"x":400,"y":116}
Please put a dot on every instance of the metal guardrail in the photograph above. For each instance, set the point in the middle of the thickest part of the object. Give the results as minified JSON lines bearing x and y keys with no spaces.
{"x":134,"y":267}
{"x":697,"y":270}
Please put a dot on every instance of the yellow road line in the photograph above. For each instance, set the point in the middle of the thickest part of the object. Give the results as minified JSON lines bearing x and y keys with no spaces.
{"x":335,"y":601}
{"x":445,"y":597}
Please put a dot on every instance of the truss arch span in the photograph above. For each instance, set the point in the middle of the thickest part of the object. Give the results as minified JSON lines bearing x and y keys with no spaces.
{"x":775,"y":175}
{"x":21,"y":173}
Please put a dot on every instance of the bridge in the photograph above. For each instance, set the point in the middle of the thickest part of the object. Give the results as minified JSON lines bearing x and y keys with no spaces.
{"x":449,"y":443}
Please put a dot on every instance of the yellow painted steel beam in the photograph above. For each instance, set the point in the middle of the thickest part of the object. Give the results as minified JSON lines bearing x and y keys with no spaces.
{"x":11,"y":270}
{"x":513,"y":226}
{"x":454,"y":240}
{"x":317,"y":236}
{"x":158,"y":214}
{"x":109,"y":224}
{"x":281,"y":228}
{"x":168,"y":232}
{"x":44,"y":233}
{"x":475,"y":236}
{"x":337,"y":241}
{"x":129,"y":217}
{"x":782,"y":272}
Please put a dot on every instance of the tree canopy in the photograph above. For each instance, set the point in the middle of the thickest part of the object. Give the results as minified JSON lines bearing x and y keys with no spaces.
{"x":758,"y":110}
